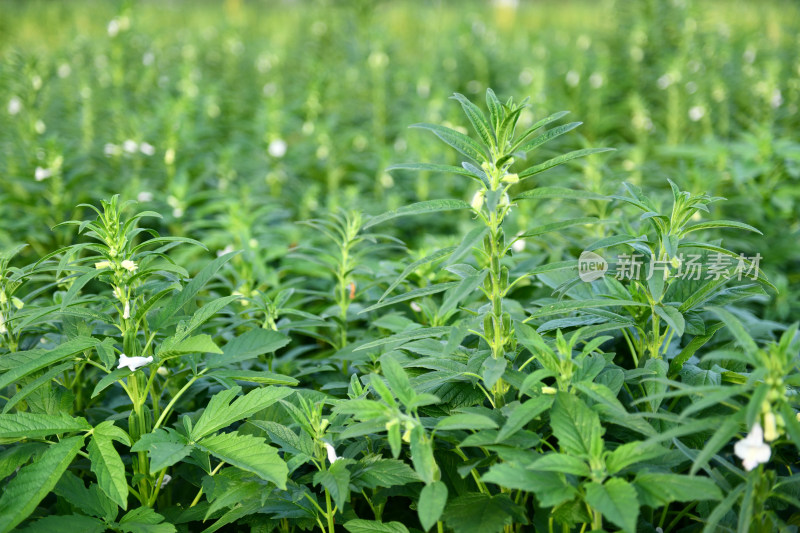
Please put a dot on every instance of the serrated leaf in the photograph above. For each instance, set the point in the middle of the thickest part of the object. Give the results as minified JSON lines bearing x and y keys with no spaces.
{"x":30,"y":425}
{"x":430,"y":506}
{"x":378,"y":472}
{"x":551,"y":488}
{"x":470,"y":421}
{"x":164,"y":448}
{"x":66,"y":524}
{"x":657,"y":489}
{"x":576,"y":426}
{"x":34,"y":481}
{"x":673,"y":317}
{"x":336,"y":481}
{"x":482,"y":513}
{"x":20,"y":364}
{"x":248,"y":453}
{"x":145,"y":520}
{"x":616,"y":500}
{"x":249,"y":345}
{"x":220,"y":412}
{"x":107,"y":464}
{"x":405,"y":336}
{"x":522,"y":414}
{"x":435,"y":256}
{"x":196,"y":344}
{"x":374,"y":526}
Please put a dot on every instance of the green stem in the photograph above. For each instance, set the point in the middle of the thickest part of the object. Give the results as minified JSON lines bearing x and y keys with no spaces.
{"x":175,"y":398}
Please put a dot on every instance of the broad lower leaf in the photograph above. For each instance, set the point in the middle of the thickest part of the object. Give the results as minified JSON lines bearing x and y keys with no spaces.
{"x":34,"y":481}
{"x":551,"y":488}
{"x":164,"y":448}
{"x":66,"y":524}
{"x":336,"y":481}
{"x":431,"y":504}
{"x":31,"y":426}
{"x":657,"y":489}
{"x":107,"y":464}
{"x":248,"y":453}
{"x":220,"y":412}
{"x":248,"y":346}
{"x":20,"y":364}
{"x":374,"y":526}
{"x":576,"y":426}
{"x":616,"y":500}
{"x":145,"y":520}
{"x":480,"y":513}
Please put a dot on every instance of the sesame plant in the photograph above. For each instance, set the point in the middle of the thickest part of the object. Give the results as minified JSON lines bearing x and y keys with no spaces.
{"x":426,"y":349}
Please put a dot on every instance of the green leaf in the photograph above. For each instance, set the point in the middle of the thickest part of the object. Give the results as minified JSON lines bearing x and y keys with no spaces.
{"x":90,"y":501}
{"x":107,"y":464}
{"x":696,"y":343}
{"x":220,"y":412}
{"x":721,"y":437}
{"x":457,"y":140}
{"x":478,"y":120}
{"x":374,"y":526}
{"x":164,"y":447}
{"x":481,"y":513}
{"x":671,"y":316}
{"x":66,"y":524}
{"x":720,"y":224}
{"x":398,"y":379}
{"x":541,"y":123}
{"x":465,"y":288}
{"x":411,"y":295}
{"x":576,"y":427}
{"x":428,"y":167}
{"x":20,"y":364}
{"x":560,"y":160}
{"x":559,"y":462}
{"x":429,"y":206}
{"x":374,"y":472}
{"x":145,"y":520}
{"x":34,"y":481}
{"x":492,"y":370}
{"x":556,"y":226}
{"x":249,"y":345}
{"x":522,"y":414}
{"x":616,"y":500}
{"x":466,"y":421}
{"x":551,"y":488}
{"x":558,"y":192}
{"x":422,"y":455}
{"x":31,"y":387}
{"x":197,"y":344}
{"x":405,"y":336}
{"x":631,"y":453}
{"x":565,"y":307}
{"x":431,"y":504}
{"x":435,"y":256}
{"x":657,"y":490}
{"x":743,"y":338}
{"x":336,"y":481}
{"x":30,"y":425}
{"x":254,"y":376}
{"x":190,"y":291}
{"x":248,"y":453}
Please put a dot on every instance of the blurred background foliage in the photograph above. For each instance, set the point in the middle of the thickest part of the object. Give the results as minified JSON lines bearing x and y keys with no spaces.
{"x":235,"y":119}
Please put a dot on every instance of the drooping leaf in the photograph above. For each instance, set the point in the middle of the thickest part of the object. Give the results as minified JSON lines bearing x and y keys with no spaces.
{"x":30,"y":425}
{"x":34,"y":481}
{"x":107,"y":464}
{"x":431,"y":504}
{"x":476,"y":512}
{"x":336,"y":481}
{"x":249,"y":345}
{"x":657,"y":489}
{"x":616,"y":500}
{"x":359,"y":525}
{"x":576,"y":426}
{"x":221,"y":412}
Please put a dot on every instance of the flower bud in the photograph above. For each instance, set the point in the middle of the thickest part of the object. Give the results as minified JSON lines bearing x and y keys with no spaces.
{"x":511,"y":178}
{"x":549,"y":390}
{"x":477,"y":200}
{"x":770,"y":427}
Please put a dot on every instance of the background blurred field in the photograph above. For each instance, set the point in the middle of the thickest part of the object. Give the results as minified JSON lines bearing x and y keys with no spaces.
{"x":235,"y":119}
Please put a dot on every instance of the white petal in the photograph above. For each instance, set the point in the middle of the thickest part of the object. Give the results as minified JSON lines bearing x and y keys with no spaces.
{"x":332,"y":457}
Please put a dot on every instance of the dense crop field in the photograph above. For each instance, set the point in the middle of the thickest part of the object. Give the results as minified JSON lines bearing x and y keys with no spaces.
{"x":350,"y":266}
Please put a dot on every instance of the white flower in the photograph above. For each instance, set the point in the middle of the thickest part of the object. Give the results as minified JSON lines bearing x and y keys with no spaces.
{"x":42,"y":174}
{"x":129,"y":265}
{"x":665,"y":81}
{"x":415,"y":307}
{"x":573,"y":78}
{"x":14,"y":106}
{"x":113,"y":28}
{"x":752,"y":450}
{"x":126,"y":313}
{"x":165,"y":480}
{"x":148,"y":58}
{"x":696,"y":113}
{"x":2,"y":324}
{"x":40,"y":127}
{"x":518,"y":246}
{"x":130,"y":146}
{"x":169,"y":156}
{"x":596,"y":80}
{"x":147,"y":149}
{"x":777,"y":98}
{"x":64,"y":70}
{"x":277,"y":148}
{"x":162,"y":371}
{"x":110,"y":149}
{"x":133,"y":362}
{"x":332,"y":457}
{"x":228,"y":249}
{"x":144,"y":196}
